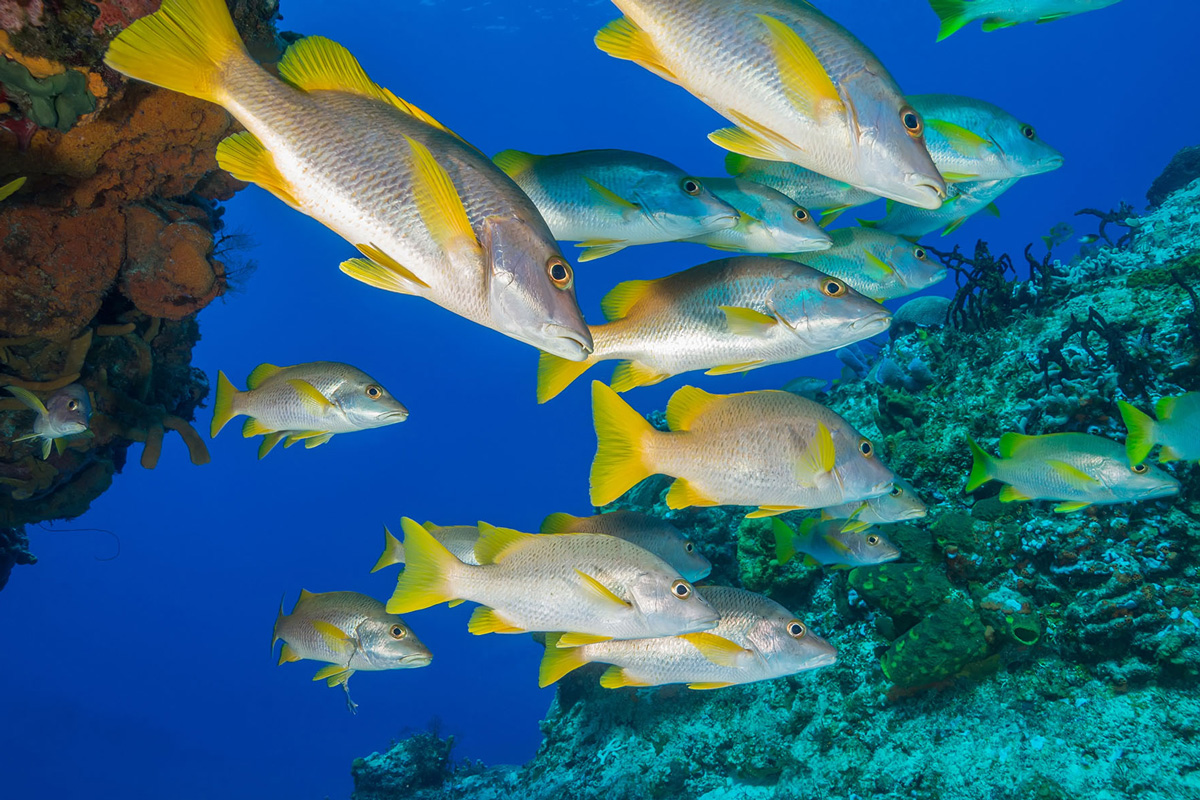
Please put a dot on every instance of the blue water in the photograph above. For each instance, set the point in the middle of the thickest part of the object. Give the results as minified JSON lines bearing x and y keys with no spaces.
{"x":150,"y":676}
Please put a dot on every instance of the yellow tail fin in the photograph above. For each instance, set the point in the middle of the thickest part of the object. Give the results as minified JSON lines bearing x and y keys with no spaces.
{"x":621,"y":435}
{"x":785,"y":547}
{"x":428,"y":572}
{"x":182,"y":47}
{"x":558,"y":661}
{"x":1141,"y":427}
{"x":393,"y":551}
{"x":223,"y":404}
{"x":981,"y":467}
{"x":555,"y":374}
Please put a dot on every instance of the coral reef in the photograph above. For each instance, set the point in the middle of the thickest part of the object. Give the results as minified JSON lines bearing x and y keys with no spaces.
{"x":1182,"y":170}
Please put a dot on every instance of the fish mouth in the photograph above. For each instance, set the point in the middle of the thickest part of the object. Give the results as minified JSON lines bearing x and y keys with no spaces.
{"x":922,"y":191}
{"x":564,"y":342}
{"x":416,"y":660}
{"x":916,"y":513}
{"x":815,"y":245}
{"x":877,"y":321}
{"x":719,"y":221}
{"x":394,"y":416}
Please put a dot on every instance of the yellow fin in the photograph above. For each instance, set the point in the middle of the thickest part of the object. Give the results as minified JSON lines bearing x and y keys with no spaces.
{"x":599,"y":590}
{"x":494,"y":543}
{"x":771,"y":511}
{"x":305,"y":594}
{"x":244,"y":157}
{"x":268,"y":443}
{"x":621,"y":434}
{"x":609,"y":196}
{"x":299,"y":436}
{"x":808,"y":85}
{"x":223,"y":404}
{"x":9,"y":188}
{"x":252,"y":427}
{"x":879,"y":264}
{"x":1065,"y":508}
{"x":830,"y":214}
{"x":615,"y":677}
{"x":558,"y":522}
{"x":746,"y":143}
{"x":958,"y":177}
{"x":488,"y":620}
{"x":1010,"y":495}
{"x":855,"y":526}
{"x":953,"y":226}
{"x":438,"y":200}
{"x":318,"y":440}
{"x":960,"y":139}
{"x":1165,"y":408}
{"x":682,"y":494}
{"x":730,"y":369}
{"x":836,"y":545}
{"x":591,"y":252}
{"x":579,"y":639}
{"x":717,"y":649}
{"x":687,"y":405}
{"x":983,"y":466}
{"x":706,"y":685}
{"x":631,"y":374}
{"x":1143,"y":430}
{"x":31,"y":400}
{"x":785,"y":547}
{"x":558,"y":660}
{"x":259,"y":374}
{"x":393,"y":551}
{"x":429,"y":572}
{"x":334,"y":637}
{"x":387,"y":274}
{"x":747,"y":322}
{"x":556,"y":373}
{"x":622,"y":39}
{"x":514,"y":162}
{"x":310,"y":397}
{"x":819,"y":456}
{"x":1071,"y":475}
{"x":287,"y":655}
{"x":333,"y":674}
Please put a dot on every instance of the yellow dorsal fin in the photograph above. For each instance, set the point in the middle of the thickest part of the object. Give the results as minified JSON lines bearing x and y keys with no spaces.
{"x":622,"y":39}
{"x":602,"y":592}
{"x":632,"y":374}
{"x":438,"y":200}
{"x":514,"y":162}
{"x":244,"y":157}
{"x":615,"y":677}
{"x":960,"y":139}
{"x":716,"y":649}
{"x":683,"y":494}
{"x":879,"y":264}
{"x":1011,"y":443}
{"x":488,"y":620}
{"x":252,"y":427}
{"x":495,"y":542}
{"x":310,"y":397}
{"x":609,"y":196}
{"x":706,"y":685}
{"x":687,"y":405}
{"x":579,"y":639}
{"x":747,"y":321}
{"x":624,"y":296}
{"x":818,"y":457}
{"x":808,"y":85}
{"x":559,"y":522}
{"x":259,"y":374}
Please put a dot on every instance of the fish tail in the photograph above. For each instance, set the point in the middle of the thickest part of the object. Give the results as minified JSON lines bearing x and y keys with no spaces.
{"x":1142,"y":433}
{"x":952,"y":13}
{"x":558,"y":661}
{"x":428,"y":572}
{"x":223,"y":410}
{"x":393,"y":551}
{"x":982,"y":467}
{"x":785,"y":547}
{"x":555,"y":374}
{"x":621,"y":435}
{"x":184,"y":46}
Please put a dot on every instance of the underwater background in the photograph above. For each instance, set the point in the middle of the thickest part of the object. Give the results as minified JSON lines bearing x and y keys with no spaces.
{"x":149,"y":674}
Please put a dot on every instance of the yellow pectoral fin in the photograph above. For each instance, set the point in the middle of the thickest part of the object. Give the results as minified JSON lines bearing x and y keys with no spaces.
{"x":609,"y":196}
{"x":748,"y":322}
{"x":591,"y":251}
{"x":818,"y":457}
{"x":310,"y":397}
{"x":438,"y":201}
{"x":1072,"y":476}
{"x":808,"y":85}
{"x":31,"y":400}
{"x":958,"y":177}
{"x":7,"y":189}
{"x":601,"y":592}
{"x":578,"y":639}
{"x":836,"y":545}
{"x":878,"y":263}
{"x":704,"y":686}
{"x":622,"y":39}
{"x":961,"y":140}
{"x":488,"y":620}
{"x":771,"y":511}
{"x":830,"y":214}
{"x":244,"y":157}
{"x":334,"y":637}
{"x":716,"y":649}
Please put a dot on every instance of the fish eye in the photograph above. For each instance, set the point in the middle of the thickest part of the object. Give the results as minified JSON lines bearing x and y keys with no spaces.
{"x":897,"y":491}
{"x":831,"y":287}
{"x":681,"y":589}
{"x":866,"y":448}
{"x":398,"y":632}
{"x":374,"y":392}
{"x":800,"y":214}
{"x":872,"y":540}
{"x":796,"y":629}
{"x":688,"y":546}
{"x":1028,"y":132}
{"x":559,"y":272}
{"x":72,"y":405}
{"x":912,"y":122}
{"x":1140,"y":469}
{"x":919,"y":253}
{"x":691,"y":186}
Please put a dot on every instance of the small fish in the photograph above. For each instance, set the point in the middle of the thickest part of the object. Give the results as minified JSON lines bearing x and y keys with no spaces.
{"x":769,"y":221}
{"x":880,"y":265}
{"x":1059,"y":233}
{"x":350,"y":632}
{"x":973,"y":140}
{"x":726,"y":316}
{"x":921,"y":312}
{"x":658,"y":536}
{"x":67,"y":412}
{"x":1177,"y":429}
{"x":965,"y":200}
{"x":770,"y":449}
{"x":809,"y":189}
{"x":430,"y":214}
{"x":1088,"y":238}
{"x":307,"y":402}
{"x":1077,"y":469}
{"x":997,"y":14}
{"x":798,"y":86}
{"x":757,"y":639}
{"x":9,"y":188}
{"x":806,"y":387}
{"x":607,"y":200}
{"x":460,"y":540}
{"x":594,"y":586}
{"x":900,"y":504}
{"x":831,"y":543}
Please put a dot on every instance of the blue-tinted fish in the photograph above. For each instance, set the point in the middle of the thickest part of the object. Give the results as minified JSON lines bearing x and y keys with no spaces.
{"x":900,"y":504}
{"x":809,"y":189}
{"x":768,"y":221}
{"x":1059,"y":233}
{"x":830,"y":543}
{"x":649,"y":533}
{"x":1177,"y":429}
{"x":963,"y":201}
{"x":806,"y":386}
{"x":66,"y":413}
{"x":997,"y":14}
{"x":875,"y":263}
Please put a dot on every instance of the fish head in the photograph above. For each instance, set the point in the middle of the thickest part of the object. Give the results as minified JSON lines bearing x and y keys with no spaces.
{"x":787,"y":645}
{"x":669,"y":604}
{"x":683,"y":206}
{"x":792,"y":229}
{"x":1023,"y":151}
{"x":389,"y":643}
{"x":69,"y":410}
{"x":531,"y":288}
{"x":899,"y":504}
{"x":857,"y":468}
{"x":1143,"y":482}
{"x":686,"y":558}
{"x":366,"y":403}
{"x":914,"y":265}
{"x":863,"y":547}
{"x":825,"y":311}
{"x":888,"y":137}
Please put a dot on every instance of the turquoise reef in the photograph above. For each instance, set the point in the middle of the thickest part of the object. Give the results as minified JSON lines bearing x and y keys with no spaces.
{"x":1074,"y":639}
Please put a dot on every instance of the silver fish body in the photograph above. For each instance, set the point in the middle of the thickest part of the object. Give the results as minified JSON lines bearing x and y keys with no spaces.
{"x":900,"y":504}
{"x":811,"y":190}
{"x":964,"y":200}
{"x":66,"y":412}
{"x":372,"y":639}
{"x":832,"y":542}
{"x":768,"y":222}
{"x":650,"y":533}
{"x":880,"y":265}
{"x":998,"y":14}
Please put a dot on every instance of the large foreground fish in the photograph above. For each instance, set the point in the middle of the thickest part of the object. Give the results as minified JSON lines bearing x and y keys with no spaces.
{"x":875,"y":263}
{"x":757,"y":639}
{"x":798,"y":86}
{"x":726,"y":316}
{"x":770,"y":449}
{"x":431,"y":215}
{"x":997,"y":14}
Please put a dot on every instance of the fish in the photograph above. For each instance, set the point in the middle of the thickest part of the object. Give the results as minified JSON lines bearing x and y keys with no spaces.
{"x":67,"y":412}
{"x":806,"y":386}
{"x":650,"y":533}
{"x":900,"y":504}
{"x":307,"y":402}
{"x":973,"y":140}
{"x":757,"y":639}
{"x":350,"y":632}
{"x":1088,"y":238}
{"x":8,"y":189}
{"x":880,"y":265}
{"x":797,"y":86}
{"x":1177,"y":429}
{"x":809,"y":189}
{"x":921,"y":312}
{"x":592,"y":585}
{"x":1059,"y":233}
{"x":768,"y":222}
{"x":430,"y":214}
{"x":1076,"y":469}
{"x":966,"y":199}
{"x":997,"y":14}
{"x":460,"y":540}
{"x":770,"y":449}
{"x":830,"y":543}
{"x":725,"y":316}
{"x":607,"y":200}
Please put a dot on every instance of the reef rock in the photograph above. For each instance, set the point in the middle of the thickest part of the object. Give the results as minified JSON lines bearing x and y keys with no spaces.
{"x":1182,"y":170}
